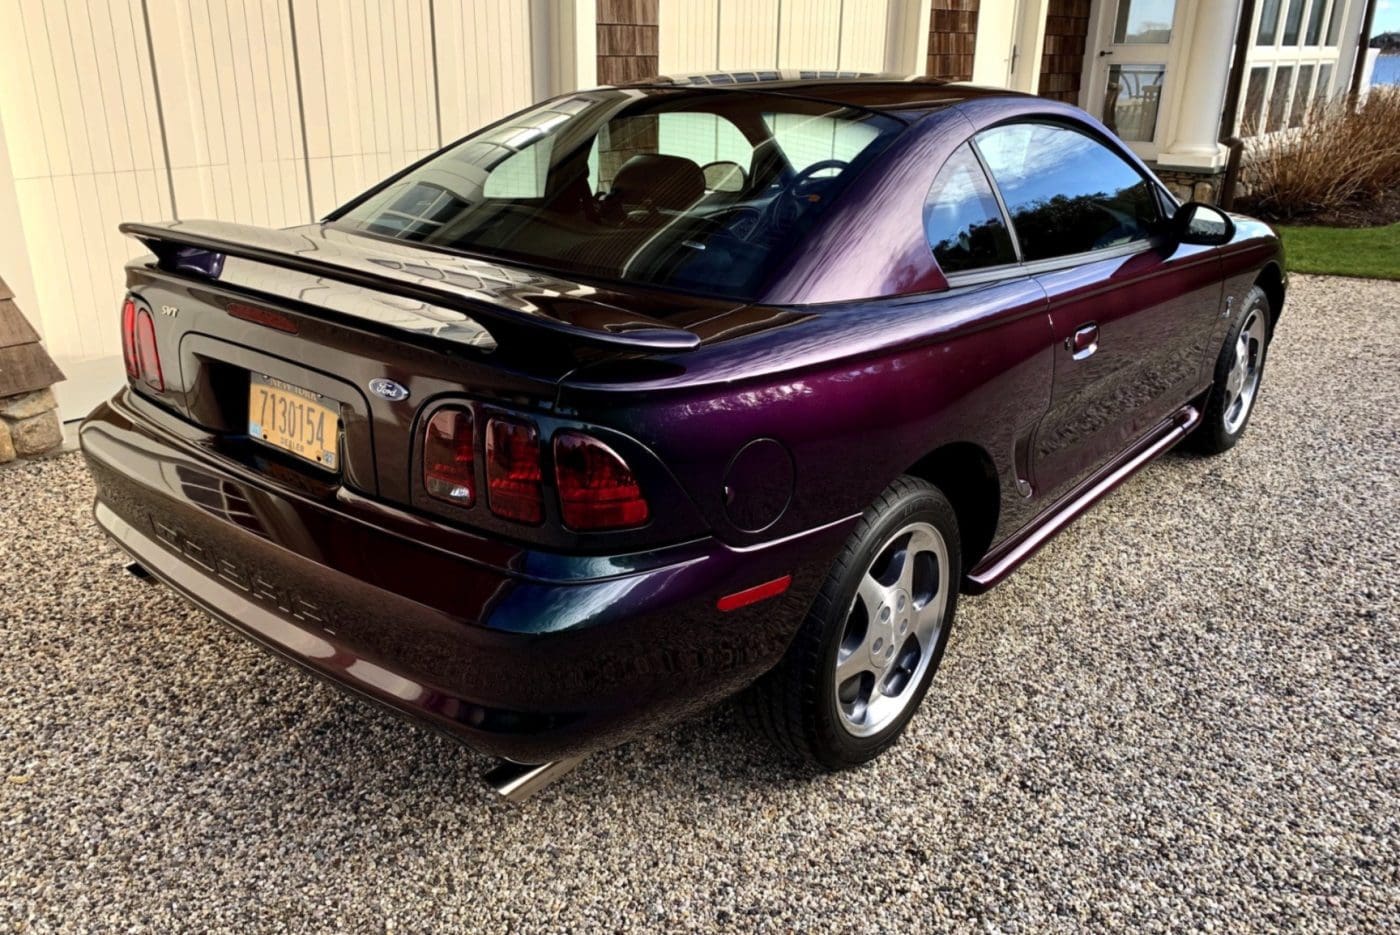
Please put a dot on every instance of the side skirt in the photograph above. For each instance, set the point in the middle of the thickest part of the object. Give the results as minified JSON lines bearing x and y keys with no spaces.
{"x":1004,"y":559}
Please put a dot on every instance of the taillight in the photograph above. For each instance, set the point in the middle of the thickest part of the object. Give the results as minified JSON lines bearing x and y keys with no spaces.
{"x":147,"y":355}
{"x":139,"y":350}
{"x":513,"y":471}
{"x":597,"y":490}
{"x":133,"y":369}
{"x":449,"y":457}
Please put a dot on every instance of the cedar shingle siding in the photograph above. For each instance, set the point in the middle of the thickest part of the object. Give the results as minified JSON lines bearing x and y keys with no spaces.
{"x":24,"y":364}
{"x":1066,"y":35}
{"x":627,"y":40}
{"x":952,"y":39}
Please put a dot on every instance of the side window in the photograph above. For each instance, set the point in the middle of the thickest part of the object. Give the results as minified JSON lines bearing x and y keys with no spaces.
{"x":1066,"y":192}
{"x":962,"y":219}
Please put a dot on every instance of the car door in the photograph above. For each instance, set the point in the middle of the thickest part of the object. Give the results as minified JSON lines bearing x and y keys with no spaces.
{"x":1131,"y":311}
{"x":970,"y":237}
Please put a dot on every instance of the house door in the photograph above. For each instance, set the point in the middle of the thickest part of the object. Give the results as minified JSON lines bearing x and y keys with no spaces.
{"x":1129,"y":71}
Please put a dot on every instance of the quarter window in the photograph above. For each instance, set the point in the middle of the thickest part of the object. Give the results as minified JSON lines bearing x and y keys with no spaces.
{"x":1066,"y":192}
{"x":962,"y":219}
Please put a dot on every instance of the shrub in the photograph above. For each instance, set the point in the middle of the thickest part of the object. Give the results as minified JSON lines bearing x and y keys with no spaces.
{"x":1338,"y":158}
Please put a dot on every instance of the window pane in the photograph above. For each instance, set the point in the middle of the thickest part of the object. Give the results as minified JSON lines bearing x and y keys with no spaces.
{"x":1293,"y":26}
{"x":1278,"y":103}
{"x":1252,"y":119}
{"x":1316,"y":17}
{"x":962,"y":219}
{"x":1131,"y":100}
{"x":1268,"y":23}
{"x":1334,"y":25}
{"x":1302,"y":98}
{"x":1067,"y":193}
{"x":1147,"y":21}
{"x":699,"y":137}
{"x":521,"y":175}
{"x":703,"y":138}
{"x":1324,"y":84}
{"x":807,"y":139}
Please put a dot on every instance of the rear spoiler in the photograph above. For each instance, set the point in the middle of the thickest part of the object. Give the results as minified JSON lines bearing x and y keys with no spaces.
{"x":407,"y":272}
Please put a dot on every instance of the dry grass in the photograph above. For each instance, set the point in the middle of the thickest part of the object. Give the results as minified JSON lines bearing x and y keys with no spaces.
{"x":1339,"y":158}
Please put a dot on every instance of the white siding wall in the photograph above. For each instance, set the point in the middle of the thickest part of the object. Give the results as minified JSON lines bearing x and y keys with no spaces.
{"x":273,"y":112}
{"x":710,"y":35}
{"x":78,"y":107}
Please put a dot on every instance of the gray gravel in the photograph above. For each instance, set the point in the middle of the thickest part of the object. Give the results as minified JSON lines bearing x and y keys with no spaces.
{"x":1185,"y":713}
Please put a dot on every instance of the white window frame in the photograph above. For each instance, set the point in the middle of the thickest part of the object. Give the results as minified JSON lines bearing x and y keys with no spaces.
{"x":1297,"y":56}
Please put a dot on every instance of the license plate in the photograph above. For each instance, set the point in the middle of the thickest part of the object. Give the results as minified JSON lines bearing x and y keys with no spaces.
{"x":293,"y":419}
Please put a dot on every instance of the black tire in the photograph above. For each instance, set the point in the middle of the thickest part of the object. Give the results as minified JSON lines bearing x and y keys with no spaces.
{"x":796,"y":704}
{"x":1218,"y":432}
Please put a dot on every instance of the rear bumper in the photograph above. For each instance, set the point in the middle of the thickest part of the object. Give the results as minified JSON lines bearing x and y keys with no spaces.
{"x":521,"y":654}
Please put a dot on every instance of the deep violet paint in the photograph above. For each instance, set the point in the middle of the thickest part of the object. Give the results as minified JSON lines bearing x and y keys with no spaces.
{"x":858,"y":364}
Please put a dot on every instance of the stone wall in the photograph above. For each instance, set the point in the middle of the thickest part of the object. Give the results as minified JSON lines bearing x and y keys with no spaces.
{"x":1192,"y":186}
{"x":29,"y":425}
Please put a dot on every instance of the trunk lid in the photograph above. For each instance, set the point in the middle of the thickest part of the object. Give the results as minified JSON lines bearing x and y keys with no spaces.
{"x":332,"y":312}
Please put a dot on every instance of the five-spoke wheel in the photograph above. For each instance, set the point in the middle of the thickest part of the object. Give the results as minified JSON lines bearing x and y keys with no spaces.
{"x":869,"y":647}
{"x":1242,"y":382}
{"x":1239,"y":371}
{"x":891,"y":628}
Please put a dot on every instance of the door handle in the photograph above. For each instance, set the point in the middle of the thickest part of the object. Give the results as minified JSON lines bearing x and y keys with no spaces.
{"x":1084,"y":342}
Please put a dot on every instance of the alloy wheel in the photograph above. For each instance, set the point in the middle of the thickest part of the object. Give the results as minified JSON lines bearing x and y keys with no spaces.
{"x":892,"y":629}
{"x":1242,"y":383}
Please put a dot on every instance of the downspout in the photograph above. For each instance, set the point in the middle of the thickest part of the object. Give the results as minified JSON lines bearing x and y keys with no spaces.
{"x":1362,"y":45}
{"x":1234,"y":86}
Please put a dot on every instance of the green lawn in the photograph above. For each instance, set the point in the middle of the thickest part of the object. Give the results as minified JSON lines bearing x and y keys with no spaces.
{"x":1368,"y":252}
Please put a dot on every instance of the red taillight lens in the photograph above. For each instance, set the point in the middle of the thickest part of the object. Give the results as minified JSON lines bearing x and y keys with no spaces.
{"x":597,"y":489}
{"x":133,"y":368}
{"x":139,"y":350}
{"x":513,"y":471}
{"x":449,"y":457}
{"x":147,"y":356}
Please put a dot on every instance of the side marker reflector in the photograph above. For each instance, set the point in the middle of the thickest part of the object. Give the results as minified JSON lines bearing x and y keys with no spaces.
{"x":755,"y":594}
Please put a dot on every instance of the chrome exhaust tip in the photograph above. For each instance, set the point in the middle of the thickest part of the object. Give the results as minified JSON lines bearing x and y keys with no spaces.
{"x":516,"y":782}
{"x":138,"y":571}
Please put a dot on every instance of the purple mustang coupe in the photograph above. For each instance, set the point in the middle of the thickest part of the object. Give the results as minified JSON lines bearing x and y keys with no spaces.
{"x":647,"y":396}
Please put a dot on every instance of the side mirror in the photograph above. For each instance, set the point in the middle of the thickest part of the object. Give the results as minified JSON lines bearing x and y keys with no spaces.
{"x":724,"y":176}
{"x":1203,"y":224}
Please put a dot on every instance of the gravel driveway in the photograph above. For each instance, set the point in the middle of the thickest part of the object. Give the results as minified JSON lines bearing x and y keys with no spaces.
{"x":1184,"y":713}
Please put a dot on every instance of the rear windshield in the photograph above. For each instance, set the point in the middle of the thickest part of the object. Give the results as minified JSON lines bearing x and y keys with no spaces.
{"x":695,"y":192}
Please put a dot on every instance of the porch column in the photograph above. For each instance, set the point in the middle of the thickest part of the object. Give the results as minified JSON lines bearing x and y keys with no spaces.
{"x":1203,"y":70}
{"x":906,"y":36}
{"x":565,"y":45}
{"x":1030,"y":45}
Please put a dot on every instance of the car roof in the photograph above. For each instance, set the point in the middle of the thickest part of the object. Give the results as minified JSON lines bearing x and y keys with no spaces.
{"x":880,"y":91}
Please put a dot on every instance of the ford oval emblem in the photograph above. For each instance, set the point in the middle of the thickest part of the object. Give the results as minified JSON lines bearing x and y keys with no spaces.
{"x":387,"y":389}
